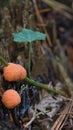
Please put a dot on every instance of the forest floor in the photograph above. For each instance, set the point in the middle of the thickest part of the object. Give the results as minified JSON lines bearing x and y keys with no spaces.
{"x":51,"y":63}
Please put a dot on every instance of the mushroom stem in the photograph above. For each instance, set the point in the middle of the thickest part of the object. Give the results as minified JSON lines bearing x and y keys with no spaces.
{"x":3,"y":61}
{"x":42,"y":86}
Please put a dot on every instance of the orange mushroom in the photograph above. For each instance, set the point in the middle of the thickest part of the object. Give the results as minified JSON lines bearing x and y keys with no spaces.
{"x":14,"y":72}
{"x":11,"y":98}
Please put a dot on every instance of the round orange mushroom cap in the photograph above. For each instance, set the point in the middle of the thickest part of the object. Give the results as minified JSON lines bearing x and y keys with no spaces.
{"x":11,"y":98}
{"x":14,"y":72}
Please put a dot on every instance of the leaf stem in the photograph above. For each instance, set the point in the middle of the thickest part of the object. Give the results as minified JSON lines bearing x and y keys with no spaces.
{"x":34,"y":83}
{"x":29,"y":59}
{"x":42,"y":86}
{"x":3,"y":61}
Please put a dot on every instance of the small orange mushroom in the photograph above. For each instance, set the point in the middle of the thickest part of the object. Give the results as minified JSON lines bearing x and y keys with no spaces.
{"x":14,"y":72}
{"x":11,"y":98}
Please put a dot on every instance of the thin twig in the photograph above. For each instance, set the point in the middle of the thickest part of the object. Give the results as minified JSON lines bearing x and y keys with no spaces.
{"x":33,"y":118}
{"x":43,"y":11}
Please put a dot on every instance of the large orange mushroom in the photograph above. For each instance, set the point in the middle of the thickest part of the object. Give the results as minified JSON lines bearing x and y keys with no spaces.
{"x":14,"y":72}
{"x":11,"y":98}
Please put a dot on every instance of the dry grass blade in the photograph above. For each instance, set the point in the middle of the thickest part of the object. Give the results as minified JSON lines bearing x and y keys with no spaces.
{"x":61,"y":8}
{"x":58,"y":125}
{"x":65,"y":78}
{"x":58,"y":5}
{"x":41,"y":21}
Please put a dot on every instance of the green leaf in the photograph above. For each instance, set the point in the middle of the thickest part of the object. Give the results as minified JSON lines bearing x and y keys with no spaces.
{"x":28,"y":35}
